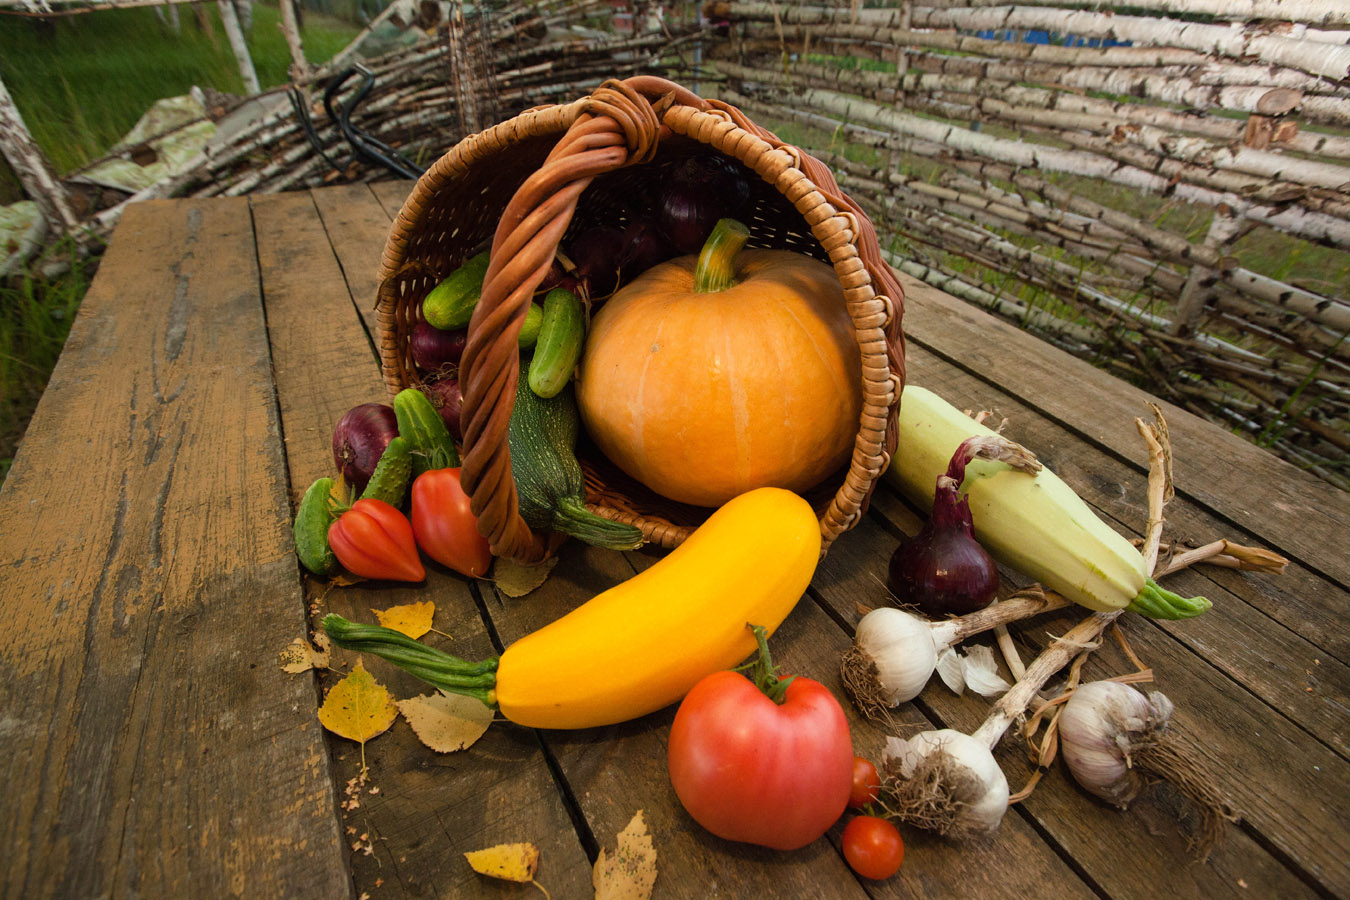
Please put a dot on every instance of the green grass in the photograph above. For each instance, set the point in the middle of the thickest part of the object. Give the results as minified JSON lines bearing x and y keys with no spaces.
{"x":35,"y":317}
{"x":81,"y":82}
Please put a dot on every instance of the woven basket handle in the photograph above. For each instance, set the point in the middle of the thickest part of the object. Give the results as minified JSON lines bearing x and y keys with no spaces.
{"x":616,"y":126}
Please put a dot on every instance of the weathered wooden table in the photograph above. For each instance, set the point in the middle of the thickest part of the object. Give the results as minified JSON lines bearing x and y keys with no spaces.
{"x":154,"y":748}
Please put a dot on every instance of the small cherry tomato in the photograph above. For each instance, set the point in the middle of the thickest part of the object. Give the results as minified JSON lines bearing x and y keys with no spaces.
{"x":374,"y":540}
{"x":445,"y":526}
{"x":866,"y":783}
{"x":873,"y":847}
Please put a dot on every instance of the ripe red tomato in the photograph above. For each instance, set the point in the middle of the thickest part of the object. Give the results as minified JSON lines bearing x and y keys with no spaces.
{"x":873,"y":847}
{"x":374,"y":540}
{"x":444,"y":525}
{"x":748,"y":769}
{"x":866,"y":783}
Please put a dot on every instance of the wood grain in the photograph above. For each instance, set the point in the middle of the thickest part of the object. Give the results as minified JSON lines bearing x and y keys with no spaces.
{"x":154,"y":746}
{"x":1263,"y":494}
{"x":430,"y":808}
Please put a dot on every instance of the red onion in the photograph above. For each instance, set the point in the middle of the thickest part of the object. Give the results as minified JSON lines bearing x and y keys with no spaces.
{"x":701,"y":190}
{"x":359,"y":440}
{"x":433,"y":349}
{"x":643,"y":247}
{"x":444,"y":394}
{"x":596,"y":252}
{"x":943,"y":570}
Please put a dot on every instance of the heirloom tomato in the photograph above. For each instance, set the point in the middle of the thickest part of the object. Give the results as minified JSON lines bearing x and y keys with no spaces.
{"x":444,"y":525}
{"x":374,"y":540}
{"x":767,"y":761}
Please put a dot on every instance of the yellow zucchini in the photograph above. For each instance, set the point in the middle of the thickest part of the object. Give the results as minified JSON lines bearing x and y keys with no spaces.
{"x":642,"y":644}
{"x":1033,"y":523}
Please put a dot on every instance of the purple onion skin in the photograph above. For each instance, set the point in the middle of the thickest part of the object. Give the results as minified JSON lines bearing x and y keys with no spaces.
{"x":943,"y":570}
{"x":644,"y":246}
{"x":433,"y":349}
{"x":445,"y":394}
{"x":596,"y":252}
{"x":701,"y":190}
{"x":359,"y":441}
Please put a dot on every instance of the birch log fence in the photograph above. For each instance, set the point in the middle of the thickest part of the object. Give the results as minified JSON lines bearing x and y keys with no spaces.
{"x":1027,"y":159}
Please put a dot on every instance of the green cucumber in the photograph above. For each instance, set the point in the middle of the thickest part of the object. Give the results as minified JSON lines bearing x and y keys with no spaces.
{"x":529,"y":331}
{"x":312,"y":519}
{"x":392,"y":474}
{"x":550,"y":489}
{"x":423,"y":428}
{"x":451,"y":303}
{"x":562,"y":336}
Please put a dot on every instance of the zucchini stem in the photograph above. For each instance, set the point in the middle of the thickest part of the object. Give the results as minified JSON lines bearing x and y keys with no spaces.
{"x":436,"y":667}
{"x":570,"y":516}
{"x":1158,"y":602}
{"x":716,"y":266}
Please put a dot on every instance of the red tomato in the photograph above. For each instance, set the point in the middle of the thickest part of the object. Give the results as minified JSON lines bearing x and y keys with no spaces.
{"x":374,"y":540}
{"x":873,"y":847}
{"x":748,"y":769}
{"x":866,"y":783}
{"x":445,"y":527}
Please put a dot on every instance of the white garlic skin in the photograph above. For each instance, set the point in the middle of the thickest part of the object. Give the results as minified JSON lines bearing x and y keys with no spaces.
{"x":1104,"y":724}
{"x":979,"y":814}
{"x":901,"y":646}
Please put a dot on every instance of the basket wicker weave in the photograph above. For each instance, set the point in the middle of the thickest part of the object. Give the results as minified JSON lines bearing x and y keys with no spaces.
{"x":523,"y":184}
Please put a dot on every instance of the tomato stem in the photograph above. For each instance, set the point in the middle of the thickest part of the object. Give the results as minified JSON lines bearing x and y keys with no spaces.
{"x":436,"y":667}
{"x":764,"y":672}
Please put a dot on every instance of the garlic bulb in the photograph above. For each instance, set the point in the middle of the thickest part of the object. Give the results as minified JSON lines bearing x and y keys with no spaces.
{"x":892,"y":658}
{"x":1104,"y":727}
{"x":945,"y":781}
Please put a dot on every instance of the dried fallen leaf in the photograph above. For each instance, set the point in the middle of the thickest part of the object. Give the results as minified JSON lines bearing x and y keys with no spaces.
{"x":516,"y":580}
{"x":446,"y":722}
{"x":630,"y":873}
{"x":413,"y":619}
{"x":358,"y":708}
{"x":301,"y":656}
{"x":509,"y":862}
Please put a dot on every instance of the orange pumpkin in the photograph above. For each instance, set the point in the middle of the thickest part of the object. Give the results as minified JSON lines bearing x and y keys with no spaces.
{"x":704,"y":394}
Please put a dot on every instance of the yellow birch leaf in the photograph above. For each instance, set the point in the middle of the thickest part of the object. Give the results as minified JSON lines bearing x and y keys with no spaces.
{"x":301,"y":656}
{"x":630,"y":873}
{"x":358,"y":707}
{"x":509,"y":862}
{"x":413,"y":619}
{"x":516,"y":580}
{"x":446,"y":722}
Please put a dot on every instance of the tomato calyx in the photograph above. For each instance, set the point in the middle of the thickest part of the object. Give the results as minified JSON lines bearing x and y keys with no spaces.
{"x":761,"y":670}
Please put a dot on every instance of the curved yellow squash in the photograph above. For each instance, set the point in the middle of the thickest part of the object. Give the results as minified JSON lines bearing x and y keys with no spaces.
{"x":642,"y":644}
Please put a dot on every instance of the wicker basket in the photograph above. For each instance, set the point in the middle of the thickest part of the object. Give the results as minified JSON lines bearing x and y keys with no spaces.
{"x":523,"y":183}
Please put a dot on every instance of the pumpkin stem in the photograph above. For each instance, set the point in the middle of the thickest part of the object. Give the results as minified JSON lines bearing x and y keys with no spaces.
{"x":716,"y":267}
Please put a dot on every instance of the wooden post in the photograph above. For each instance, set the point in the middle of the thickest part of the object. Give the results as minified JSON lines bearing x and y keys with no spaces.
{"x":32,"y":167}
{"x":290,"y":27}
{"x":230,"y":19}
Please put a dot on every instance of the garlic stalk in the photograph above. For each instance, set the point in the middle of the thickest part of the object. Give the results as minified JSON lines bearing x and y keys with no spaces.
{"x":895,"y":653}
{"x":1115,"y":741}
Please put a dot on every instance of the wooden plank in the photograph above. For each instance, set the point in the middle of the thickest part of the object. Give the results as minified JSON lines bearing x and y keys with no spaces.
{"x":1277,"y":662}
{"x":391,"y":194}
{"x":614,"y":771}
{"x":1265,"y":495}
{"x":430,"y":808}
{"x":1136,"y":854}
{"x":358,"y":227}
{"x":154,"y":746}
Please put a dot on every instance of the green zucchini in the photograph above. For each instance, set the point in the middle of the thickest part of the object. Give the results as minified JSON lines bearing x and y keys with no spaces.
{"x":450,"y":304}
{"x":392,"y":474}
{"x":550,"y":490}
{"x":312,"y":519}
{"x":562,"y":336}
{"x":422,"y":427}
